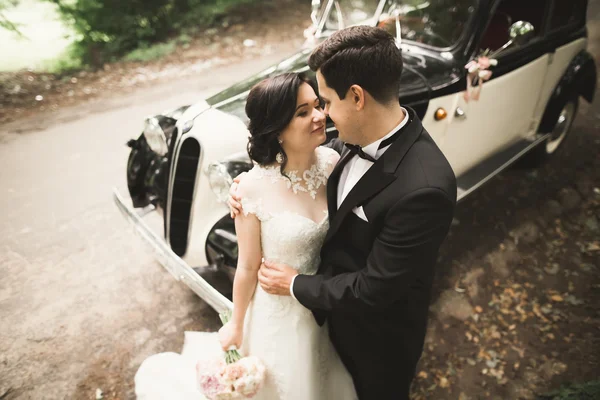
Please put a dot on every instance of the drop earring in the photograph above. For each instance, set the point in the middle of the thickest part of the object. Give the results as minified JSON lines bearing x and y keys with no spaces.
{"x":279,"y":156}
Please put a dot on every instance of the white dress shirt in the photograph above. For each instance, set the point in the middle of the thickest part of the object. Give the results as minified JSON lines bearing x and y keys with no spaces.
{"x":356,"y":167}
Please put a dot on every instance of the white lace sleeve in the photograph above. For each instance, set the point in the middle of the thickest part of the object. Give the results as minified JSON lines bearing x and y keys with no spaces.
{"x":254,"y":206}
{"x":251,"y":190}
{"x":328,"y":158}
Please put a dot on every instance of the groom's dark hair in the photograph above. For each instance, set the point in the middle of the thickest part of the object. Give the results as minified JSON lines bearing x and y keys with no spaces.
{"x":360,"y":55}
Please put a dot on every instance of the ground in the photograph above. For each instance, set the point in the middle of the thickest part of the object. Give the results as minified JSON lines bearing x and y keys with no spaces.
{"x":516,"y":302}
{"x":517,"y":297}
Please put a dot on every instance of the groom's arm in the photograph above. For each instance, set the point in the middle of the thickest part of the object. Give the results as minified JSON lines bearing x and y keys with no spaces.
{"x":412,"y":233}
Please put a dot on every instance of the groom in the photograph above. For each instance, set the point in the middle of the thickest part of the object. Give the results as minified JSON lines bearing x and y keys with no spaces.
{"x":391,"y":200}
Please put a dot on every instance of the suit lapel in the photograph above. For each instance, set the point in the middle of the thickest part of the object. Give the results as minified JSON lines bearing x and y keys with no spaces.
{"x":380,"y":175}
{"x":372,"y":182}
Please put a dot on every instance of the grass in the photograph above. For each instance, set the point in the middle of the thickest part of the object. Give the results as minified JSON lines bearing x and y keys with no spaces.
{"x":584,"y":391}
{"x":152,"y":52}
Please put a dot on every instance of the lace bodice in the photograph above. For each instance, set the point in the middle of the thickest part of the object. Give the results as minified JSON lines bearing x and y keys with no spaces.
{"x":293,"y":224}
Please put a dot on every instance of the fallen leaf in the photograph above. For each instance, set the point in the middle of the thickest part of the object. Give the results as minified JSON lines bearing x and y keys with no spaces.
{"x":478,"y":309}
{"x":573,"y":300}
{"x":422,"y":375}
{"x":557,"y":298}
{"x":594,"y":246}
{"x":444,"y":382}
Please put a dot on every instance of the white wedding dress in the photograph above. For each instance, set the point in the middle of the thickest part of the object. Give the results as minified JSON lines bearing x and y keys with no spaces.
{"x":300,"y":360}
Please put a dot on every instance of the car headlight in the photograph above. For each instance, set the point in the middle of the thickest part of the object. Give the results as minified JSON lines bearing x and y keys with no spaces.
{"x":221,"y":174}
{"x":155,"y":136}
{"x":219,"y":180}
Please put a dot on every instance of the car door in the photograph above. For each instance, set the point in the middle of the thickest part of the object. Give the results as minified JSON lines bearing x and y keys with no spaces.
{"x":505,"y":110}
{"x":565,"y":39}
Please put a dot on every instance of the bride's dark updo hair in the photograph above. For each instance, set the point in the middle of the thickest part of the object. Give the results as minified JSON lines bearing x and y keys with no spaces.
{"x":270,"y":107}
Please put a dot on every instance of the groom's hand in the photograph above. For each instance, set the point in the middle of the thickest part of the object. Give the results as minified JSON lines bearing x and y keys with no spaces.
{"x":276,"y":278}
{"x":235,"y":207}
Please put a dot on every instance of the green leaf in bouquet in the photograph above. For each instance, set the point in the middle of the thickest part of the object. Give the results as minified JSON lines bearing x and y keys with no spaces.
{"x":231,"y":356}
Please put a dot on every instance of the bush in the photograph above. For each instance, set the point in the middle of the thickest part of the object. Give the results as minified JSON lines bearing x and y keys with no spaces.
{"x":108,"y":29}
{"x":70,"y":60}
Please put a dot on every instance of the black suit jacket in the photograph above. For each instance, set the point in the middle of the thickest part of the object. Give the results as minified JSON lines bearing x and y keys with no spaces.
{"x":374,"y":282}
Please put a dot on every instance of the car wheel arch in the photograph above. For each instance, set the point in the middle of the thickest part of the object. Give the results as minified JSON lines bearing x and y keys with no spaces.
{"x":579,"y":80}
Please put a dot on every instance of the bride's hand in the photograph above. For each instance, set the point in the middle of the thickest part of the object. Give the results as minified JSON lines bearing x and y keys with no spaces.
{"x":234,"y":200}
{"x":231,"y":335}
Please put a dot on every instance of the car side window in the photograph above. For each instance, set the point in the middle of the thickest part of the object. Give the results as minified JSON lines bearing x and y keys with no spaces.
{"x":509,"y":12}
{"x":565,"y":13}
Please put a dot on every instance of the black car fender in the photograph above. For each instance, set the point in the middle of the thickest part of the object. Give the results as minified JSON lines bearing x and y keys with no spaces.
{"x":578,"y":80}
{"x":147,"y":172}
{"x":137,"y":165}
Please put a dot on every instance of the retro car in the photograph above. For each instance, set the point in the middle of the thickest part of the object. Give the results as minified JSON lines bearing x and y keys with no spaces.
{"x":493,"y":81}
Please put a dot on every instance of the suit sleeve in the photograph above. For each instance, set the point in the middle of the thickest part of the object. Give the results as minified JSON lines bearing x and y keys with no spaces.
{"x":408,"y":243}
{"x":335,"y":144}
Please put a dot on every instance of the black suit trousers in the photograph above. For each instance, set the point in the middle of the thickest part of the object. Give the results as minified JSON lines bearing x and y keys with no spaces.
{"x":369,"y":363}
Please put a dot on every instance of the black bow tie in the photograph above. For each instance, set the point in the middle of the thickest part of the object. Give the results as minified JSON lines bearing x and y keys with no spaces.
{"x":356,"y":149}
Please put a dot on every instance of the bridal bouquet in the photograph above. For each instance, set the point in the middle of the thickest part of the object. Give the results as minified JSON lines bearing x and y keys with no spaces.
{"x":232,"y":378}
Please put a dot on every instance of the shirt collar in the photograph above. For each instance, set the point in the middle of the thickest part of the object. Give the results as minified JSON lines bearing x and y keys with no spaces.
{"x":372,"y":148}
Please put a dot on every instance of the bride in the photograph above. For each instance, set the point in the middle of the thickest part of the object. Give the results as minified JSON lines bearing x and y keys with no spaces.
{"x":285,"y":220}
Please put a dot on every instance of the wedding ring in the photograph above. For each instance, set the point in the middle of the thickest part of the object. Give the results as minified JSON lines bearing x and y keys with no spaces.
{"x":232,"y":347}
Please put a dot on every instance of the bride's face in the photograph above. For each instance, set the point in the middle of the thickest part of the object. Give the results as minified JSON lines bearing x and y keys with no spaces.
{"x":306,"y":130}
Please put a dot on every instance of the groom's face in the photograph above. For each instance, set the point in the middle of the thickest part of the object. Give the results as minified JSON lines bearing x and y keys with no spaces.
{"x":341,"y":112}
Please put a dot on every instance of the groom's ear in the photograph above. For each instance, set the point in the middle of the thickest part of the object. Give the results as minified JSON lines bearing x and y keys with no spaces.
{"x":357,"y":95}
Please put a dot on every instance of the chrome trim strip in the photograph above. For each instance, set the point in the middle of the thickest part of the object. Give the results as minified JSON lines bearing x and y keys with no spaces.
{"x":180,"y":270}
{"x":462,"y":193}
{"x":226,"y":235}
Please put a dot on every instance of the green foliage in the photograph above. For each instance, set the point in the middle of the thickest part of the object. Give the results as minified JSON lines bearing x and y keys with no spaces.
{"x":109,"y":29}
{"x":153,"y":52}
{"x":70,"y":60}
{"x":585,"y":391}
{"x":207,"y":12}
{"x":5,"y":23}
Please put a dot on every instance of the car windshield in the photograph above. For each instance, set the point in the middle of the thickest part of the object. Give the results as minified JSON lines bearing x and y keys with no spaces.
{"x":343,"y":13}
{"x":437,"y":23}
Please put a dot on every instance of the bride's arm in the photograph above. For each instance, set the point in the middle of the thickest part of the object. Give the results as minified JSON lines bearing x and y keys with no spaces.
{"x":247,"y":228}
